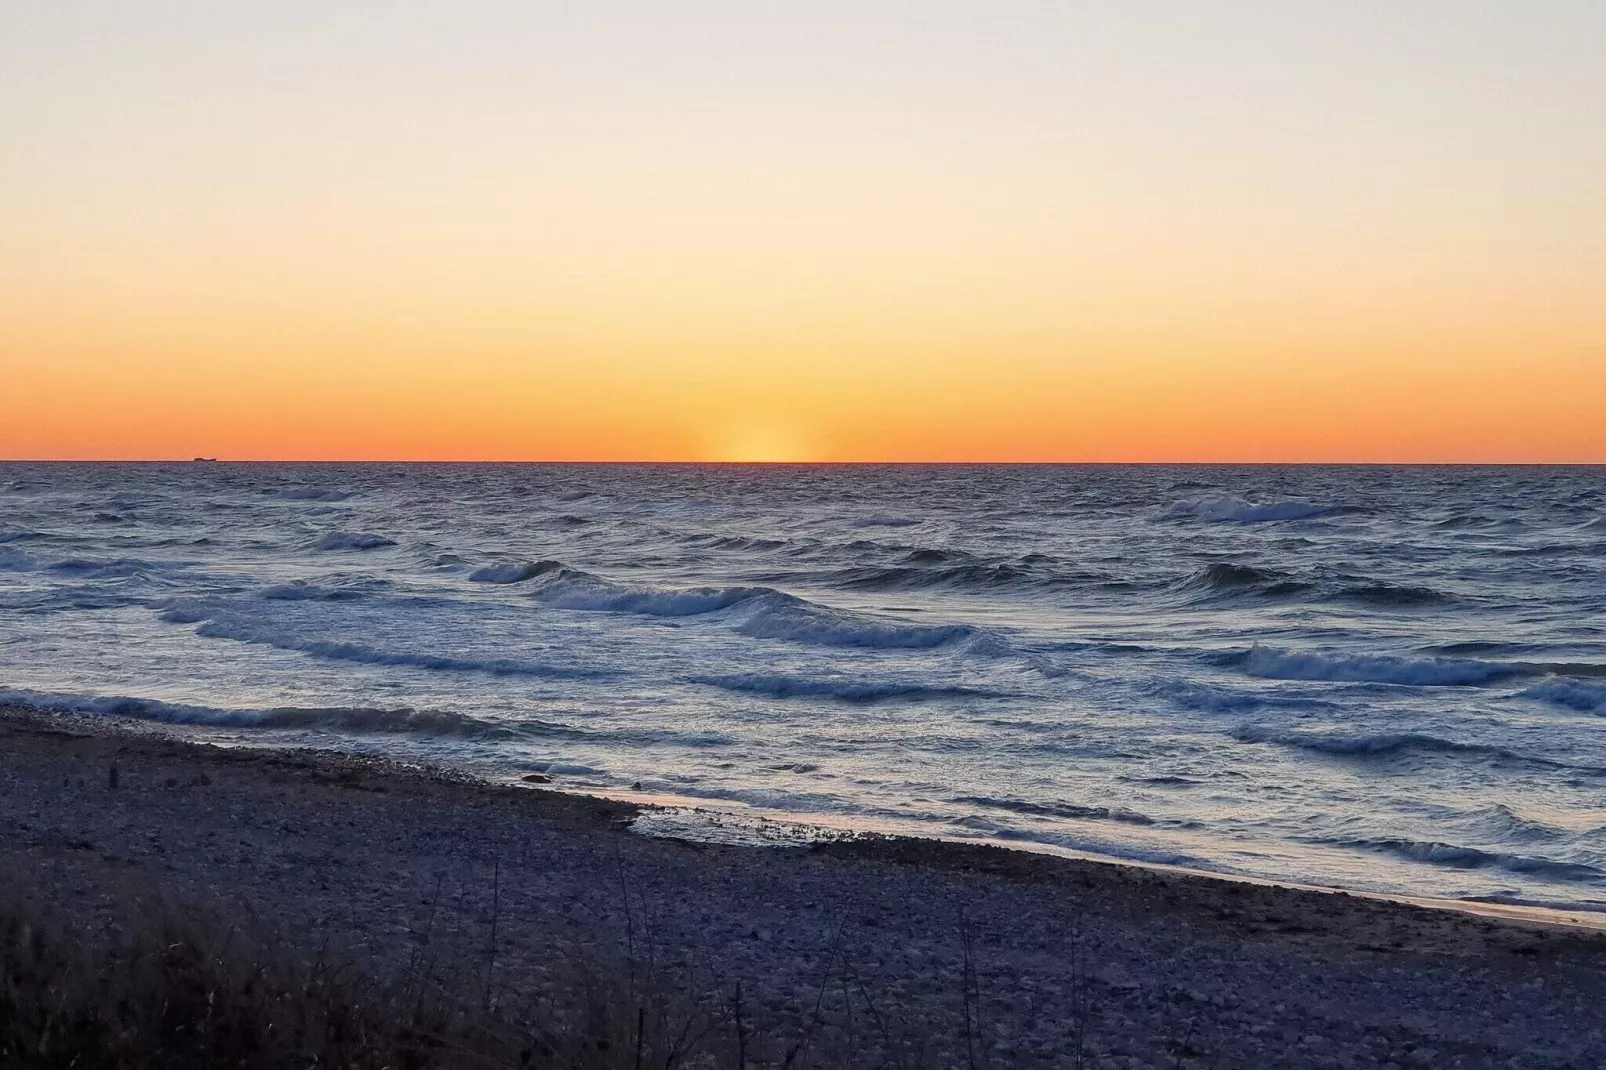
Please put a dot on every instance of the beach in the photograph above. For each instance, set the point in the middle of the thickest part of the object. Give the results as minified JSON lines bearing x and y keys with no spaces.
{"x":892,"y":951}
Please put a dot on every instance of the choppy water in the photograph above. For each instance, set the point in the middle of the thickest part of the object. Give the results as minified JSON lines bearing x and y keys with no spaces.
{"x":1381,"y":678}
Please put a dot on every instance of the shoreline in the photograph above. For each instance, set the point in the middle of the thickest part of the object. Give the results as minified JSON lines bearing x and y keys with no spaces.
{"x":1519,"y":912}
{"x":904,"y":848}
{"x":1245,"y":972}
{"x":1037,"y":863}
{"x":931,"y":847}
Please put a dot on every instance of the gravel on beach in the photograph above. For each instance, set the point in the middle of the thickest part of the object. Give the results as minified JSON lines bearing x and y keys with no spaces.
{"x":907,"y":952}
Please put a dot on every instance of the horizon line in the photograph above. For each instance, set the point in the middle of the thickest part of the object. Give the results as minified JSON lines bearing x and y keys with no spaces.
{"x":813,"y":464}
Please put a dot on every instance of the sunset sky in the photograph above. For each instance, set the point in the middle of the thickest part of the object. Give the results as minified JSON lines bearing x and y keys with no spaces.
{"x":936,"y":230}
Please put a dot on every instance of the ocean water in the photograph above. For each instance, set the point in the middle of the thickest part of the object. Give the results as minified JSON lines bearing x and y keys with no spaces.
{"x":1377,"y":678}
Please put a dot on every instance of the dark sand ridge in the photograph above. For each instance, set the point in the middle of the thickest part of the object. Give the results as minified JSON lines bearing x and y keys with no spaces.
{"x":1147,"y":967}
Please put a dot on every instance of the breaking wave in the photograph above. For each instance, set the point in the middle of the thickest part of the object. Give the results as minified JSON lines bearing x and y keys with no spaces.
{"x":1585,"y":698}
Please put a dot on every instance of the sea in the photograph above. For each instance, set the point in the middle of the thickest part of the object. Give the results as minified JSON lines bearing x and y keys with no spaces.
{"x":1387,"y":679}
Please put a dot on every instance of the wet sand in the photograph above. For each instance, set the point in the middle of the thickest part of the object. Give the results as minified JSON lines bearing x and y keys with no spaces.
{"x":912,"y":952}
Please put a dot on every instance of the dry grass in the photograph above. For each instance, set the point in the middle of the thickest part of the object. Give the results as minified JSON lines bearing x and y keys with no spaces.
{"x":155,"y":987}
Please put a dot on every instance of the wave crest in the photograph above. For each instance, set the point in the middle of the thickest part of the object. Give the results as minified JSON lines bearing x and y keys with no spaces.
{"x":1584,"y":698}
{"x":515,"y":572}
{"x":800,"y":621}
{"x":216,"y":622}
{"x":306,"y":591}
{"x":1385,"y":745}
{"x":1374,"y":669}
{"x":345,"y":540}
{"x":769,"y":613}
{"x":1455,"y":856}
{"x":572,"y":589}
{"x":1236,"y":510}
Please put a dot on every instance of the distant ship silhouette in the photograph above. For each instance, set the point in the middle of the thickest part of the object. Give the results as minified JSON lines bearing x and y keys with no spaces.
{"x":205,"y":460}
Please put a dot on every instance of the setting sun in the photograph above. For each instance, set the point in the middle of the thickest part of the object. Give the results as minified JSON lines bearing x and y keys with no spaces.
{"x":762,"y":444}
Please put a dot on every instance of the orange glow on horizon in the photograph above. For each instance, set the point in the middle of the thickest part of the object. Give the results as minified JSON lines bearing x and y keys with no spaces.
{"x":1457,"y":404}
{"x":1075,"y":233}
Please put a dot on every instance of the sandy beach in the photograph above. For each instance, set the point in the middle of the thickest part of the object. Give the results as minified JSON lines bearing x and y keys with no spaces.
{"x":898,"y":951}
